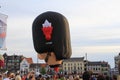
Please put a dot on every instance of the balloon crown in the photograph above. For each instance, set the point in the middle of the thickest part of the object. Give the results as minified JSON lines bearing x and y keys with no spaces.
{"x":47,"y":30}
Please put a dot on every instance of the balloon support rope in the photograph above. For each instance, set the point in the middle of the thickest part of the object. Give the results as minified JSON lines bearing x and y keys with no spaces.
{"x":48,"y":54}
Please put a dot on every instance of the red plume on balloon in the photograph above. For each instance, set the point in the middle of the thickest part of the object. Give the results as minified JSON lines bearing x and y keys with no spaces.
{"x":56,"y":69}
{"x":47,"y":30}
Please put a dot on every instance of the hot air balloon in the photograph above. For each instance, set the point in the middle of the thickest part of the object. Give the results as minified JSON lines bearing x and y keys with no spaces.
{"x":1,"y":61}
{"x":51,"y":38}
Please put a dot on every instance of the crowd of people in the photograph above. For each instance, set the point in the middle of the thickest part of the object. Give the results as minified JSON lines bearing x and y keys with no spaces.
{"x":33,"y":76}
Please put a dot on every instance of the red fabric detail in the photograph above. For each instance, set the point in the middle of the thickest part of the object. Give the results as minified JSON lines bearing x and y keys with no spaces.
{"x":56,"y":69}
{"x":47,"y":31}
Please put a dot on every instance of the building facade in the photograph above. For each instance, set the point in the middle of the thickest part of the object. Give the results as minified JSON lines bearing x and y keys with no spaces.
{"x":12,"y":62}
{"x":73,"y":65}
{"x":79,"y":65}
{"x":25,"y":65}
{"x":98,"y":67}
{"x":39,"y":67}
{"x":116,"y":59}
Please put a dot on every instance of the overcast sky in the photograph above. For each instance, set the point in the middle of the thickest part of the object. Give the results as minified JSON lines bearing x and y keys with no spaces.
{"x":94,"y":26}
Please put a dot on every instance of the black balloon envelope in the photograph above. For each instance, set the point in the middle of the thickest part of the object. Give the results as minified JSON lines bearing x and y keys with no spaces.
{"x":51,"y":34}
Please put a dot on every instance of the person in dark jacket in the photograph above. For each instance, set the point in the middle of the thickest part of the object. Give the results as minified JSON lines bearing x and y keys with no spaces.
{"x":86,"y":75}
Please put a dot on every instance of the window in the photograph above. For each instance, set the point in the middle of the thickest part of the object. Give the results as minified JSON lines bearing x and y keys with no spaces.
{"x":96,"y":69}
{"x":9,"y":60}
{"x":64,"y":64}
{"x":68,"y":68}
{"x":65,"y":68}
{"x":75,"y":64}
{"x":81,"y":68}
{"x":68,"y":64}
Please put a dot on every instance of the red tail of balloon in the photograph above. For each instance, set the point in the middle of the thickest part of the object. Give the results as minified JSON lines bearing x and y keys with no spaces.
{"x":56,"y":69}
{"x":47,"y":32}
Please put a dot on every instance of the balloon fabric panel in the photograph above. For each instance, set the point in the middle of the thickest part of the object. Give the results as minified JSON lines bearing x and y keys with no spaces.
{"x":59,"y":42}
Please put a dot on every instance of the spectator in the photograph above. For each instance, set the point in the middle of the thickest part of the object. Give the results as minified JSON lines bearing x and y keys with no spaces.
{"x":86,"y":75}
{"x":18,"y":77}
{"x":1,"y":78}
{"x":107,"y":78}
{"x":30,"y":76}
{"x":7,"y":76}
{"x":70,"y":77}
{"x":12,"y":76}
{"x":101,"y":77}
{"x":114,"y":77}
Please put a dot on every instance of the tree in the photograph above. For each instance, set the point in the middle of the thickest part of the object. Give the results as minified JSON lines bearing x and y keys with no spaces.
{"x":43,"y":71}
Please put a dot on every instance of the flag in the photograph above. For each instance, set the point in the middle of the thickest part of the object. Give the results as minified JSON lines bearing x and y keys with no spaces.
{"x":3,"y":26}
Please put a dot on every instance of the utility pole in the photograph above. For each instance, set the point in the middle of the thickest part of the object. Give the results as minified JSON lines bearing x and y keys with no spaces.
{"x":37,"y":65}
{"x":86,"y":62}
{"x":86,"y":56}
